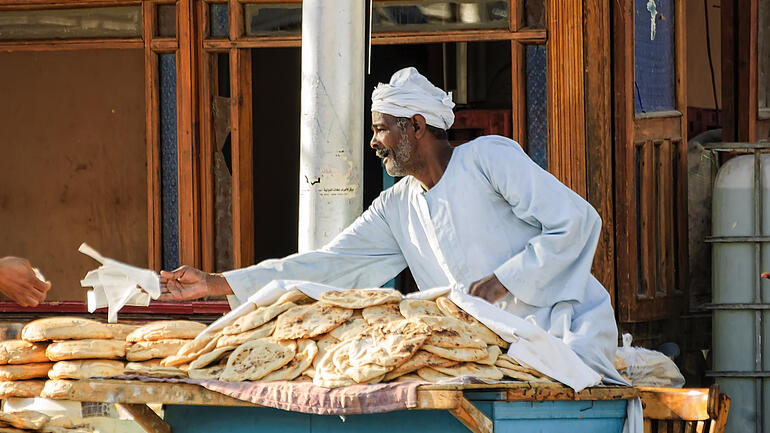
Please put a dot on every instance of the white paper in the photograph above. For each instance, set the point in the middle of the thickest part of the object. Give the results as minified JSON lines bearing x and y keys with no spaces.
{"x":117,"y":284}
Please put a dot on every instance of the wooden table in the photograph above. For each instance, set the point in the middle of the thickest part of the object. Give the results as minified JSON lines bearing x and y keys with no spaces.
{"x":456,"y":399}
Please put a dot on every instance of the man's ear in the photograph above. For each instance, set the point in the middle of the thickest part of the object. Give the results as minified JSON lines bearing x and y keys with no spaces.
{"x":418,"y":123}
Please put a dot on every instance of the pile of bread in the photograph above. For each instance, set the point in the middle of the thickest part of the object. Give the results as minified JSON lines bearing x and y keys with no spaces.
{"x":349,"y":337}
{"x":344,"y":338}
{"x":27,"y":421}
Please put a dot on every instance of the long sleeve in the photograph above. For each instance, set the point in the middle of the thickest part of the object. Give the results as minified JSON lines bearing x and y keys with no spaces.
{"x":555,"y":265}
{"x":365,"y":254}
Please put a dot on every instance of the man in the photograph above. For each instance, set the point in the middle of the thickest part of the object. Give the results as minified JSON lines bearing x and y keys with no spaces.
{"x":19,"y":282}
{"x":482,"y":217}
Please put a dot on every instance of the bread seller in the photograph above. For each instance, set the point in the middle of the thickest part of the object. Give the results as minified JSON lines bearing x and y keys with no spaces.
{"x":482,"y":217}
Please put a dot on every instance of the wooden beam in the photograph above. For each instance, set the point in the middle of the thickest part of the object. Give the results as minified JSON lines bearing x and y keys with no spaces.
{"x":471,"y":417}
{"x":242,"y":150}
{"x":207,"y":67}
{"x":565,"y":75}
{"x":518,"y":94}
{"x":70,"y":44}
{"x":48,"y":4}
{"x":147,"y":418}
{"x":438,"y":399}
{"x":152,"y":139}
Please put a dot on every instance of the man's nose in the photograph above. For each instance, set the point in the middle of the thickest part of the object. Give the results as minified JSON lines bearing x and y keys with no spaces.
{"x":373,"y":143}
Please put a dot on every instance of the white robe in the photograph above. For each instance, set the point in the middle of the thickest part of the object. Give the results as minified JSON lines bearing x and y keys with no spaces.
{"x":493,"y":210}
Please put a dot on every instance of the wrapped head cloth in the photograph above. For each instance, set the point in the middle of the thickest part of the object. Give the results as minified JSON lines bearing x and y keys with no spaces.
{"x":410,"y":93}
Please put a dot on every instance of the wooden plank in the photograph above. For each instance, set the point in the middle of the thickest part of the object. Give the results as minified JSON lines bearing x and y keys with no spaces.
{"x":189,"y":234}
{"x":242,"y":150}
{"x":438,"y":399}
{"x":647,"y":221}
{"x":47,"y":4}
{"x":658,"y":128}
{"x":675,"y":404}
{"x":665,"y":232}
{"x":164,"y":46}
{"x":566,"y":126}
{"x":70,"y":44}
{"x":518,"y":95}
{"x":147,"y":418}
{"x":152,"y":139}
{"x":471,"y":417}
{"x":208,"y":75}
{"x":525,"y":391}
{"x":598,"y":118}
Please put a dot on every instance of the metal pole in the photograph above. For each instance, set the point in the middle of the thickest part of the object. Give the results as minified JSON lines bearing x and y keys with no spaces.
{"x":758,"y":289}
{"x":331,"y":128}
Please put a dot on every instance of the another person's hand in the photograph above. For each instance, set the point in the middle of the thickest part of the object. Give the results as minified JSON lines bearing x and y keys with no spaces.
{"x":488,"y":288}
{"x":19,"y":282}
{"x":765,"y":275}
{"x":187,"y":283}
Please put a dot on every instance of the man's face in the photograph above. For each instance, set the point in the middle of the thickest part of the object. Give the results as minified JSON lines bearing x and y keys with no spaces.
{"x":393,"y":144}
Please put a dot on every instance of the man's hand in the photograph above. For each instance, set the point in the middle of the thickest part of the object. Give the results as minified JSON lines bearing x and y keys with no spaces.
{"x":19,"y":282}
{"x":489,"y":288}
{"x":189,"y":283}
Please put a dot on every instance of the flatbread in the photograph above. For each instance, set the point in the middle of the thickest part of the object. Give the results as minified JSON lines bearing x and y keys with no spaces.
{"x":64,"y":328}
{"x":493,"y":352}
{"x":255,"y":359}
{"x":522,"y":376}
{"x":306,"y":321}
{"x":25,"y":419}
{"x":483,"y":333}
{"x":152,"y":368}
{"x":295,"y":296}
{"x":505,"y":361}
{"x":360,"y":373}
{"x":360,"y":298}
{"x":306,"y":352}
{"x":263,"y":331}
{"x":21,"y":388}
{"x":419,"y":307}
{"x":417,"y":361}
{"x":121,"y":330}
{"x":382,"y":313}
{"x":350,"y":328}
{"x":432,"y":375}
{"x":178,"y":359}
{"x":388,"y":345}
{"x":166,"y":329}
{"x":86,"y":349}
{"x":256,"y":318}
{"x":209,"y":373}
{"x":408,"y":378}
{"x":209,"y":358}
{"x":324,"y":344}
{"x":22,"y":352}
{"x":485,"y":372}
{"x":25,"y":371}
{"x":144,"y":350}
{"x":326,"y":374}
{"x":461,"y":354}
{"x":196,"y":344}
{"x":451,"y":333}
{"x":86,"y":369}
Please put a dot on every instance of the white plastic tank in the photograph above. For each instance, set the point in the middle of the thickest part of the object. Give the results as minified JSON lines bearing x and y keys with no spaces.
{"x":741,"y":355}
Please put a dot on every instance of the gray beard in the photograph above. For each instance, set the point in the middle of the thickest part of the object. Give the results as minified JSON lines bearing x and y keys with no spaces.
{"x":402,"y":156}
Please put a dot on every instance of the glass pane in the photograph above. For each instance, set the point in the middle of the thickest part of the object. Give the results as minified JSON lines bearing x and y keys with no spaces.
{"x":168,"y":162}
{"x":219,"y":20}
{"x":262,"y":19}
{"x":413,"y":15}
{"x":107,"y":22}
{"x":167,"y":21}
{"x":534,"y":13}
{"x":654,"y":56}
{"x":537,"y":108}
{"x":764,"y":55}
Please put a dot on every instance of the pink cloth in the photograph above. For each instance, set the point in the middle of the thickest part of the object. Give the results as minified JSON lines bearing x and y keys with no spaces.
{"x":306,"y":397}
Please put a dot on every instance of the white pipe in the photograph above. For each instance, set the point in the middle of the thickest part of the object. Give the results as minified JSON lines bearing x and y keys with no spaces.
{"x":331,"y":134}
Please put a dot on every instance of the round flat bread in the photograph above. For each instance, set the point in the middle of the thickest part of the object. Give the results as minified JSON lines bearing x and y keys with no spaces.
{"x":461,"y":354}
{"x":255,"y":359}
{"x":419,"y":360}
{"x":295,"y":296}
{"x":152,"y":368}
{"x":166,"y":329}
{"x":22,"y":352}
{"x":450,"y":332}
{"x":483,"y":333}
{"x":326,"y":373}
{"x":485,"y":372}
{"x":25,"y":419}
{"x":21,"y":388}
{"x":493,"y":352}
{"x":306,"y":321}
{"x":432,"y":375}
{"x":256,"y":318}
{"x":522,"y":376}
{"x":418,"y":308}
{"x":505,"y":361}
{"x":388,"y":345}
{"x":121,"y":330}
{"x":350,"y":328}
{"x":360,"y":298}
{"x":408,"y":378}
{"x":86,"y":349}
{"x":144,"y":350}
{"x":263,"y":331}
{"x":362,"y":373}
{"x":382,"y":313}
{"x":306,"y":352}
{"x":86,"y":369}
{"x":208,"y":373}
{"x":209,"y":358}
{"x":196,"y":344}
{"x":324,"y":343}
{"x":25,"y":371}
{"x":178,"y":359}
{"x":64,"y":328}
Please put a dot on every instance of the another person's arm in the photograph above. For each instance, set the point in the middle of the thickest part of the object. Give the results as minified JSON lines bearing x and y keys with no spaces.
{"x":19,"y":282}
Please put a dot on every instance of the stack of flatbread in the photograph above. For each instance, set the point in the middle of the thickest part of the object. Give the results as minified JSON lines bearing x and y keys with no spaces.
{"x":149,"y":344}
{"x":349,"y":337}
{"x":80,"y":348}
{"x":26,"y":421}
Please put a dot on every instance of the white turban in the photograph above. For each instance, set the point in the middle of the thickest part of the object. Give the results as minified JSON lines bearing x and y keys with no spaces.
{"x":409,"y":93}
